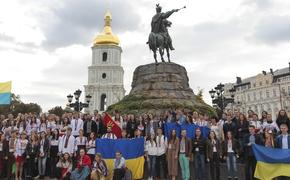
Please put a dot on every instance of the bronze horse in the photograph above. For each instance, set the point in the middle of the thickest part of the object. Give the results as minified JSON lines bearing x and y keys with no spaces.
{"x":158,"y":42}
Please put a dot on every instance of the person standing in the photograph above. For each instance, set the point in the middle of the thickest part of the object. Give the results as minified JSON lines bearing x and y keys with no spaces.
{"x":76,"y":124}
{"x":282,"y":118}
{"x":180,"y":117}
{"x":184,"y":155}
{"x":242,"y":131}
{"x":31,"y":153}
{"x":66,"y":143}
{"x":53,"y":152}
{"x":231,"y":149}
{"x":91,"y":146}
{"x":229,"y":125}
{"x":131,"y":126}
{"x":269,"y":124}
{"x":257,"y":123}
{"x":151,"y":153}
{"x":199,"y":149}
{"x":214,"y":126}
{"x":11,"y":157}
{"x":4,"y":150}
{"x":172,"y":155}
{"x":90,"y":126}
{"x":249,"y":140}
{"x":214,"y":153}
{"x":161,"y":141}
{"x":80,"y":142}
{"x":151,"y":126}
{"x":283,"y":142}
{"x":20,"y":147}
{"x":43,"y":154}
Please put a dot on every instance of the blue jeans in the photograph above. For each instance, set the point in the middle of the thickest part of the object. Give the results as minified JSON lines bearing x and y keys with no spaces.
{"x":41,"y":165}
{"x":82,"y":174}
{"x":199,"y":163}
{"x":151,"y":165}
{"x":232,"y":165}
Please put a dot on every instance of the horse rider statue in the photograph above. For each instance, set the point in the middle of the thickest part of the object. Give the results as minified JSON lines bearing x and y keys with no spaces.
{"x":159,"y":37}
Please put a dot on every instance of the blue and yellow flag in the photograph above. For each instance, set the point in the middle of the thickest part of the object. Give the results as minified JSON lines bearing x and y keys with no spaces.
{"x":190,"y":129}
{"x":271,"y":162}
{"x":5,"y":92}
{"x":131,"y":149}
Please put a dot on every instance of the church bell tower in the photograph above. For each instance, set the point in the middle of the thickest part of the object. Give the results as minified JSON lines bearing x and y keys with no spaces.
{"x":105,"y":75}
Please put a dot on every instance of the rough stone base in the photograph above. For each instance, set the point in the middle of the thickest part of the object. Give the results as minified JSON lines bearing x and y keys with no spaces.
{"x":156,"y":88}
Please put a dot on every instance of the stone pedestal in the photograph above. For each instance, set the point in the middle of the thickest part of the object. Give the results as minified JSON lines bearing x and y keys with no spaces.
{"x":156,"y":88}
{"x":162,"y":81}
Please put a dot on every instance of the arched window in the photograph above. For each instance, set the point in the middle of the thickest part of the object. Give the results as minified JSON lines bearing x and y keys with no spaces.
{"x":104,"y":75}
{"x":105,"y":56}
{"x":103,"y":102}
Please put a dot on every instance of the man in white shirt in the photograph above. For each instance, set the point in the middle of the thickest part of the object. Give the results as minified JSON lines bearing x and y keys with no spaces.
{"x":67,"y":143}
{"x":76,"y":124}
{"x":109,"y":134}
{"x":161,"y":142}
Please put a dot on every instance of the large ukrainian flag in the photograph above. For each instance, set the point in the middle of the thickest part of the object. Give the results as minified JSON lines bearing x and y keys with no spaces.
{"x":271,"y":162}
{"x":131,"y":149}
{"x":5,"y":92}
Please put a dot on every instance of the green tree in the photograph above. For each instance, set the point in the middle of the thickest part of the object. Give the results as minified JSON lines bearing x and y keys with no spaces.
{"x":199,"y":95}
{"x":57,"y":110}
{"x":17,"y":106}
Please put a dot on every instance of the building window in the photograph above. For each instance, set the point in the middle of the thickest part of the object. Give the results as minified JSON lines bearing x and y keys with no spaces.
{"x":274,"y":93}
{"x":104,"y":75}
{"x":267,"y":81}
{"x":249,"y":97}
{"x":254,"y":84}
{"x":103,"y":102}
{"x":267,"y":93}
{"x":261,"y":95}
{"x":105,"y":56}
{"x":255,"y":97}
{"x":284,"y":91}
{"x":261,"y":83}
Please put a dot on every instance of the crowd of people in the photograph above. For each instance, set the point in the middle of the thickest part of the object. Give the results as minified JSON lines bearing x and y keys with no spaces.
{"x":34,"y":146}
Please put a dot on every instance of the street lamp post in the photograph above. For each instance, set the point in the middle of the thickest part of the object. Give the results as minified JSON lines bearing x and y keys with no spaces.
{"x":218,"y":98}
{"x":78,"y":105}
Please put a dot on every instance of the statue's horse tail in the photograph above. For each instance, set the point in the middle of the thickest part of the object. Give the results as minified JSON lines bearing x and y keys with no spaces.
{"x":152,"y":41}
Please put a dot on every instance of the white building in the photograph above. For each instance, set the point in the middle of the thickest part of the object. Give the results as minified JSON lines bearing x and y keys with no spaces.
{"x":105,"y":75}
{"x":267,"y":91}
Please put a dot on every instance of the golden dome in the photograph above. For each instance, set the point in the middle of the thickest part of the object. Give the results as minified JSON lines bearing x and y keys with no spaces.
{"x":107,"y":36}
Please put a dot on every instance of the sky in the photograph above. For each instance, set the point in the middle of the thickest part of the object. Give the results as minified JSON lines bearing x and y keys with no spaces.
{"x":45,"y":46}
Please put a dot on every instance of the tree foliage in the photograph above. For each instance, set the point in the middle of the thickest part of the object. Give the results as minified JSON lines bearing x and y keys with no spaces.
{"x":57,"y":110}
{"x":199,"y":95}
{"x":17,"y":106}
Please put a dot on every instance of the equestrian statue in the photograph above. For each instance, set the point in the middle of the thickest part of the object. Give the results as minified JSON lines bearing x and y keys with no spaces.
{"x":159,"y":38}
